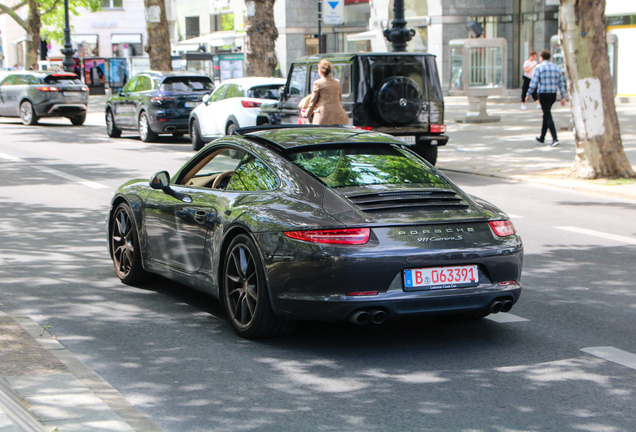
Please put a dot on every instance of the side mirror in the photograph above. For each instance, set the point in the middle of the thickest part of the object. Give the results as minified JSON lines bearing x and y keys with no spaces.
{"x":281,"y":93}
{"x":160,"y":180}
{"x":206,"y":99}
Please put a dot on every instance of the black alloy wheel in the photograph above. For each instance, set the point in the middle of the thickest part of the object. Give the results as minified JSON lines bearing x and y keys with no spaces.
{"x":145,"y":133}
{"x":112,"y":129}
{"x":78,"y":120}
{"x":27,"y":113}
{"x":124,"y":246}
{"x":195,"y":136}
{"x":245,"y":295}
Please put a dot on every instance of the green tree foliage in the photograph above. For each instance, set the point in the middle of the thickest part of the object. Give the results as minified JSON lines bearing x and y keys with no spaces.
{"x":52,"y":12}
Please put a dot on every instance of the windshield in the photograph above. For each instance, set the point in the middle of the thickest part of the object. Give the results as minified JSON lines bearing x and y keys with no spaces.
{"x":187,"y":84}
{"x":264,"y":92}
{"x":356,"y":166}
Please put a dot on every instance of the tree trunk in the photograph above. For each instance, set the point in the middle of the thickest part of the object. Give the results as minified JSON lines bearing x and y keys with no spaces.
{"x":582,"y":34}
{"x":260,"y":57}
{"x":158,"y":44}
{"x":33,"y":34}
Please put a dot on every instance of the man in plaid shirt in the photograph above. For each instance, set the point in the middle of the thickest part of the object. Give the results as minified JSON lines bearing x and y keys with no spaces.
{"x":547,"y":77}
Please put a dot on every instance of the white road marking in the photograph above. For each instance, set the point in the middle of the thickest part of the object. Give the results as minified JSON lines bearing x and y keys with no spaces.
{"x":608,"y":236}
{"x":9,"y":157}
{"x":70,"y":177}
{"x":612,"y":354}
{"x":503,"y":318}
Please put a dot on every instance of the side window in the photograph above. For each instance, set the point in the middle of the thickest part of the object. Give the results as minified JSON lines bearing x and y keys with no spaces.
{"x":18,"y":80}
{"x":144,"y":84}
{"x":252,"y":175}
{"x":343,"y":73}
{"x":297,"y":80}
{"x":313,"y":76}
{"x":8,"y":80}
{"x":31,"y":79}
{"x":130,"y":85}
{"x":220,"y":163}
{"x":219,"y":94}
{"x":235,"y":91}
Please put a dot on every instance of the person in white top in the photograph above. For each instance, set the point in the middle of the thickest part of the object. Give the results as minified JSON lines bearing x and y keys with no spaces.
{"x":528,"y":72}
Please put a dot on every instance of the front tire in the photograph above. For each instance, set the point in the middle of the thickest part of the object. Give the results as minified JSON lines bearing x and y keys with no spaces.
{"x":78,"y":120}
{"x":124,"y":246}
{"x":145,"y":133}
{"x":111,"y":128}
{"x":27,"y":114}
{"x":245,"y":294}
{"x":195,"y":136}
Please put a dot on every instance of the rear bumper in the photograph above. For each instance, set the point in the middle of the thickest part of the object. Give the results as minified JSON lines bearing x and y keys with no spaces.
{"x":169,"y":126}
{"x":61,"y":109}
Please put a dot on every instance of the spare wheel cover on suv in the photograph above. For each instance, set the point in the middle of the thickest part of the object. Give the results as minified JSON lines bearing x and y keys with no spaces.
{"x":399,"y":101}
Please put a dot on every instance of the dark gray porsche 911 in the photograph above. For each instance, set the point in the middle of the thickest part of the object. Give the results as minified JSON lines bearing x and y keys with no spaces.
{"x":315,"y":223}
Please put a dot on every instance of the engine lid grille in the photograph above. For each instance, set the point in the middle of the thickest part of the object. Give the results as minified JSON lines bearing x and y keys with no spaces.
{"x":434,"y":199}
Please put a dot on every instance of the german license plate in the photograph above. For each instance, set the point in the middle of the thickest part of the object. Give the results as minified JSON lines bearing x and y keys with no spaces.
{"x":191,"y":104}
{"x":441,"y":277}
{"x":407,"y":139}
{"x":69,"y":94}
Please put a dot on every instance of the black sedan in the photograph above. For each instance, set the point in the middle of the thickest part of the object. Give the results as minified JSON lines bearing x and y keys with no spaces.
{"x":156,"y":103}
{"x":317,"y":223}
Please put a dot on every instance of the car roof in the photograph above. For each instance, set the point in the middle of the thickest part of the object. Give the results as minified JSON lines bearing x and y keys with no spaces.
{"x":335,"y":57}
{"x":255,"y":81}
{"x":295,"y":137}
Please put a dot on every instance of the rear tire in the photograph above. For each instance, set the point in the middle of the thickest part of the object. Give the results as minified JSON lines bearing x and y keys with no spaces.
{"x":111,"y":128}
{"x":195,"y":136}
{"x":245,"y":295}
{"x":78,"y":120}
{"x":230,"y":128}
{"x":145,"y":133}
{"x":27,"y":114}
{"x":124,"y":246}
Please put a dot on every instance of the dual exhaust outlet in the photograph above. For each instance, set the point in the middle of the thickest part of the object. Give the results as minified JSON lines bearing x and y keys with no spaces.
{"x":362,"y":317}
{"x":500,"y":305}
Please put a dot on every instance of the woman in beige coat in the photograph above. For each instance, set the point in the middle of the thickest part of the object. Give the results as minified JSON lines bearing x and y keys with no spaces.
{"x":326,"y":99}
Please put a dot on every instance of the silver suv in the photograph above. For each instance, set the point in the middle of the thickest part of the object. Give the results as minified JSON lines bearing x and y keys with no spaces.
{"x":31,"y":95}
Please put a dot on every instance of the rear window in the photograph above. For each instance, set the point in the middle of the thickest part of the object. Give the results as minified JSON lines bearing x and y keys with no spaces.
{"x":356,"y":166}
{"x":264,"y":92}
{"x":187,"y":84}
{"x":64,"y":79}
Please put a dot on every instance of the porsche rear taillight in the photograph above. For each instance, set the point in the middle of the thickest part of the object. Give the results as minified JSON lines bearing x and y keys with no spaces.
{"x":250,"y":104}
{"x":502,"y":228}
{"x":48,"y":89}
{"x":347,"y":236}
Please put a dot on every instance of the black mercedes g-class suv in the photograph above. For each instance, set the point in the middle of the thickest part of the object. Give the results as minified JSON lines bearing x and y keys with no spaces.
{"x":396,"y":93}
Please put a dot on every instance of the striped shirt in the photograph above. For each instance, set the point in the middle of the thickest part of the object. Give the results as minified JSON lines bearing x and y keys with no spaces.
{"x":548,"y":78}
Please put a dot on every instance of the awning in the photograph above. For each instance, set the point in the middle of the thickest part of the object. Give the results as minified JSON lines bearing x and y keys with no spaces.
{"x":125,"y":38}
{"x":364,"y":36}
{"x":89,"y":38}
{"x":216,"y":39}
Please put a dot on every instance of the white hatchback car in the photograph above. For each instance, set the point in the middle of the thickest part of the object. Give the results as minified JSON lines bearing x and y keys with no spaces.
{"x":234,"y":104}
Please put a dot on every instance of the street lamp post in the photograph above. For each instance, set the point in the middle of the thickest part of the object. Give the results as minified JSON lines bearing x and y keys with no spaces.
{"x":68,"y":50}
{"x":398,"y":35}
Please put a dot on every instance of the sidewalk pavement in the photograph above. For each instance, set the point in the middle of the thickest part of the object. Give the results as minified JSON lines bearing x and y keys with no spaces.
{"x":508,"y":149}
{"x":45,"y":388}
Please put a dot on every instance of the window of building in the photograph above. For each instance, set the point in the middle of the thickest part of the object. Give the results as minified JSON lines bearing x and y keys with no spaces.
{"x":112,"y":4}
{"x":357,"y":12}
{"x":126,"y":45}
{"x":192,"y":27}
{"x":222,"y":22}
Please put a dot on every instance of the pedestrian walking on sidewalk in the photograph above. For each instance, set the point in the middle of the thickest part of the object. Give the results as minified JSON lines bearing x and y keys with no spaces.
{"x":528,"y":73}
{"x":547,"y":80}
{"x":326,"y":99}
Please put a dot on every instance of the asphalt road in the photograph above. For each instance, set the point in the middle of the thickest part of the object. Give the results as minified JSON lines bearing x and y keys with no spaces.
{"x":169,"y":350}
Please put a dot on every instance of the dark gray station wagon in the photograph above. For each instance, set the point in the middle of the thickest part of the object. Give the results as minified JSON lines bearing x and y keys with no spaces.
{"x":32,"y":95}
